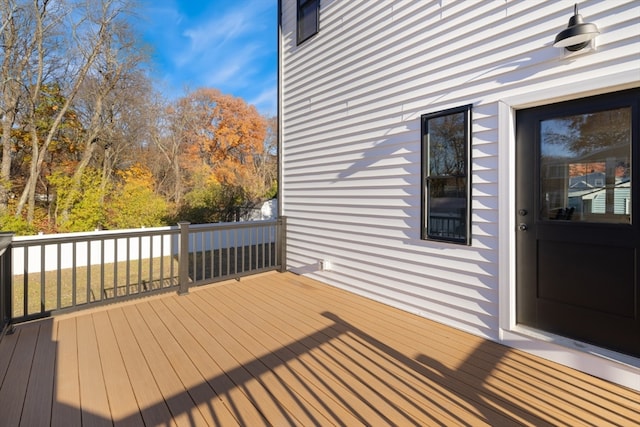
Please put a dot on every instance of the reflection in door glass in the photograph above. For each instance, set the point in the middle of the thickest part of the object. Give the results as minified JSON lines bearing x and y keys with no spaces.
{"x":585,"y":167}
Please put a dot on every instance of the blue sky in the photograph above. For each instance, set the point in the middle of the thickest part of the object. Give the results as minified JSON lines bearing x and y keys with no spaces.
{"x":230,"y":45}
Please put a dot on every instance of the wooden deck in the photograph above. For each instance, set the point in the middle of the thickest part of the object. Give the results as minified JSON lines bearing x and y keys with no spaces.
{"x":280,"y":349}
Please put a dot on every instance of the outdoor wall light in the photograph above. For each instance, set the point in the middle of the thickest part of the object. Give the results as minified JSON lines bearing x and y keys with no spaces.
{"x":578,"y":34}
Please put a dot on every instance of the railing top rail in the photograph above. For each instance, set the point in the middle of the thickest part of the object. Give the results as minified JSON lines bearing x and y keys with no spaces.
{"x":21,"y":241}
{"x":233,"y":225}
{"x":49,"y":239}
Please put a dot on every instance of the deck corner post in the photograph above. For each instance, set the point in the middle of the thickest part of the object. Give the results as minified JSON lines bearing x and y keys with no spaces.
{"x":282,"y":241}
{"x":183,"y":258}
{"x":6,"y":280}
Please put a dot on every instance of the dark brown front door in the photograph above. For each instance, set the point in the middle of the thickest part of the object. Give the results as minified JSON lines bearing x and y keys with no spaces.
{"x":578,"y":218}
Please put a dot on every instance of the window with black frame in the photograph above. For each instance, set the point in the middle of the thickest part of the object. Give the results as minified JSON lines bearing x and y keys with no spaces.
{"x":446,"y":137}
{"x":308,"y":19}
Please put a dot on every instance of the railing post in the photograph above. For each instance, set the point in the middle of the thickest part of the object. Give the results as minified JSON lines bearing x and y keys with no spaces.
{"x":6,"y":280}
{"x":282,"y":241}
{"x":183,"y":258}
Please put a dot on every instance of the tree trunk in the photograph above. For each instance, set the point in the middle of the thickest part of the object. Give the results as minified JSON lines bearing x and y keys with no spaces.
{"x":5,"y":171}
{"x":11,"y":67}
{"x":29,"y":193}
{"x":36,"y":167}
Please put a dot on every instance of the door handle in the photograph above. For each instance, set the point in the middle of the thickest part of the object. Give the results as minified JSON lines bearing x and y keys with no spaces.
{"x":523,"y":227}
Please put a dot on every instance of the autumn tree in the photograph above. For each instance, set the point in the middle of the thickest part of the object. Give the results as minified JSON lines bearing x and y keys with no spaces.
{"x":224,"y":133}
{"x":169,"y":141}
{"x":84,"y":203}
{"x":134,"y":202}
{"x":79,"y":117}
{"x":585,"y":133}
{"x":262,"y":180}
{"x":12,"y":61}
{"x":110,"y":96}
{"x":93,"y":29}
{"x":40,"y":69}
{"x":61,"y":155}
{"x":222,"y":137}
{"x":24,"y":27}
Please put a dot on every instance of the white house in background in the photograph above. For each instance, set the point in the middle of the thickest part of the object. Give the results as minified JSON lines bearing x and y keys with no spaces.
{"x":427,"y":151}
{"x":267,"y":211}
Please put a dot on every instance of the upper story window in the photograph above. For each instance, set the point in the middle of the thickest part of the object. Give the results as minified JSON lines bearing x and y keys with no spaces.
{"x":308,"y":18}
{"x":446,"y":140}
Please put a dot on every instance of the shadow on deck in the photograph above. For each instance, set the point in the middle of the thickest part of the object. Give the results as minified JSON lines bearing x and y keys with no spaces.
{"x":280,"y":349}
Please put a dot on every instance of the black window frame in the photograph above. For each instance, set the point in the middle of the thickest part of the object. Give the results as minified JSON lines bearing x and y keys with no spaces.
{"x":307,"y":7}
{"x":427,"y":225}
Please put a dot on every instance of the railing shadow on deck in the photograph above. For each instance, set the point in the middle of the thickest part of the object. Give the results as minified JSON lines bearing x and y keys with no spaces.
{"x":429,"y":380}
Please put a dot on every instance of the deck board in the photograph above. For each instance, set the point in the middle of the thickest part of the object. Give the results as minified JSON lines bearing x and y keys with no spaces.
{"x":274,"y":359}
{"x":300,"y":377}
{"x":14,"y":385}
{"x":93,"y":392}
{"x":174,"y":394}
{"x":226,"y":405}
{"x":122,"y":401}
{"x":7,"y":345}
{"x":206,"y":354}
{"x":475,"y":364}
{"x":243,"y":390}
{"x":281,"y":349}
{"x":66,"y":384}
{"x":265,"y":370}
{"x":211,"y":408}
{"x":384,"y":391}
{"x":153,"y":408}
{"x":39,"y":395}
{"x":439,"y":396}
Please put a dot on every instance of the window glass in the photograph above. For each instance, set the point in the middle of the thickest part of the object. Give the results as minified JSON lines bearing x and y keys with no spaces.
{"x":447,"y":201}
{"x":308,"y":14}
{"x":445,"y":147}
{"x":585,"y":167}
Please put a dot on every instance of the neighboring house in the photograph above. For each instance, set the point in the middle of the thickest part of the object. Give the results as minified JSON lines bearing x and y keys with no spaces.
{"x":426,"y":150}
{"x":597,"y":200}
{"x":587,"y":181}
{"x":268,"y":211}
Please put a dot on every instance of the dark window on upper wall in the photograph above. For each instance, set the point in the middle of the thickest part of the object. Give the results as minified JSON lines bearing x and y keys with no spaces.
{"x":308,"y":18}
{"x":446,"y":141}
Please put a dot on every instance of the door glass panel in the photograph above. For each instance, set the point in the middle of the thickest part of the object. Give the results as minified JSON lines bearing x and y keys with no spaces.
{"x":585,"y":167}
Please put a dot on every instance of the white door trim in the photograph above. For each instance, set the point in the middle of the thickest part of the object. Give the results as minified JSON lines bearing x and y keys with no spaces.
{"x":609,"y":365}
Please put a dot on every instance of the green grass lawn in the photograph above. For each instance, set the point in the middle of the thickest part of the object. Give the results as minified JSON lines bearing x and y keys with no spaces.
{"x":91,"y":283}
{"x":53,"y":290}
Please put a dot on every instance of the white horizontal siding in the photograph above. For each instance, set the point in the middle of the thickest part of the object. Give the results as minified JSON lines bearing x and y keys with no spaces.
{"x":352,"y":99}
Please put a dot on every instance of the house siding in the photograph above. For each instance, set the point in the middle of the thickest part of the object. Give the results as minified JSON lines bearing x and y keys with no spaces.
{"x":352,"y":97}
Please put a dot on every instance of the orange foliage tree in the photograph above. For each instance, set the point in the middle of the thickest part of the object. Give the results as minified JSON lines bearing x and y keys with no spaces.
{"x":223,"y":138}
{"x":223,"y":134}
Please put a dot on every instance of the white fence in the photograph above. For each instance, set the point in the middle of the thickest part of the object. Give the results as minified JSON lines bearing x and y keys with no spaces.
{"x":67,"y":250}
{"x":33,"y":254}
